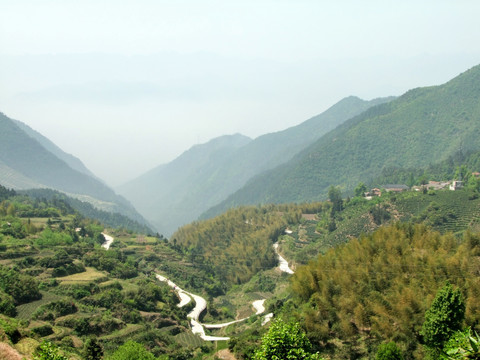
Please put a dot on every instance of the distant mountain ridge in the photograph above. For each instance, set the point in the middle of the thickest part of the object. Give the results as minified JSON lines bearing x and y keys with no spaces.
{"x":71,"y":160}
{"x":176,"y":193}
{"x":29,"y":160}
{"x":421,"y":127}
{"x":158,"y":193}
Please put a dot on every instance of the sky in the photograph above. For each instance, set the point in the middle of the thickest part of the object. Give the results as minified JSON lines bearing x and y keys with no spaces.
{"x":127,"y":85}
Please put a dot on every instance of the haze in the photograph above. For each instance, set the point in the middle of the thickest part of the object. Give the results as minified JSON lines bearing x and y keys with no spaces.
{"x":128,"y":85}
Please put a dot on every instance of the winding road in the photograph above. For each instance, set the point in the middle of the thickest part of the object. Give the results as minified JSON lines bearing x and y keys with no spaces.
{"x":108,"y":241}
{"x":201,"y":304}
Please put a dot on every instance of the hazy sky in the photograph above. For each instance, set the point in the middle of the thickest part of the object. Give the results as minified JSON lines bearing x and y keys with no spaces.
{"x":128,"y":85}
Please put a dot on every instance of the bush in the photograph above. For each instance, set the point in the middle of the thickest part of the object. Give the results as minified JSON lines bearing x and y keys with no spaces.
{"x":389,"y":351}
{"x":48,"y":351}
{"x":132,"y":350}
{"x":56,"y":309}
{"x":285,"y":341}
{"x":43,"y":330}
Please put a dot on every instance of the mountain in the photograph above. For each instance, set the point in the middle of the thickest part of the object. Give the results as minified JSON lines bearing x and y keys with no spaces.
{"x":160,"y":193}
{"x":177,"y":193}
{"x":29,"y":160}
{"x":424,"y":126}
{"x":69,"y":159}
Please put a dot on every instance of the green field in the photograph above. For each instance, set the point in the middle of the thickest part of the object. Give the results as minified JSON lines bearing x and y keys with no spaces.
{"x":25,"y":311}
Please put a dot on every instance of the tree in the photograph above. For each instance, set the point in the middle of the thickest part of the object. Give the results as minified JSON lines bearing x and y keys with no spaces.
{"x":285,"y":341}
{"x":360,"y":190}
{"x":132,"y":350}
{"x":93,"y":350}
{"x":389,"y":351}
{"x":444,"y":317}
{"x":335,"y":196}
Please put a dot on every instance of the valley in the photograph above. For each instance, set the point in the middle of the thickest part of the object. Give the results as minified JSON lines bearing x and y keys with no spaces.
{"x":344,"y":232}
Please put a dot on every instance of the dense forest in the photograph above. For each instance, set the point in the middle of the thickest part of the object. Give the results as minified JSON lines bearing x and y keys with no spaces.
{"x":377,"y":288}
{"x":237,"y":244}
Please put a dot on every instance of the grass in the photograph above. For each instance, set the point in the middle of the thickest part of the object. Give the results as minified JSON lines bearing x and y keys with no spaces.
{"x":188,"y":339}
{"x":130,"y":329}
{"x":27,"y":345}
{"x":25,"y":311}
{"x":84,"y":277}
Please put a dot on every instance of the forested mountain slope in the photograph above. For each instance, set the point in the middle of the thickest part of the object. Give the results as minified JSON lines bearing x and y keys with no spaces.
{"x":422,"y":127}
{"x":177,"y":193}
{"x":26,"y":163}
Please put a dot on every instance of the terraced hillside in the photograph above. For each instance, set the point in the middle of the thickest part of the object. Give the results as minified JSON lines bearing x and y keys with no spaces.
{"x":443,"y":210}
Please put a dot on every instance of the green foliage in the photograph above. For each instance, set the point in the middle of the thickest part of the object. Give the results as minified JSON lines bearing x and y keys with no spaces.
{"x":421,"y":127}
{"x":111,"y":219}
{"x":11,"y":328}
{"x":360,"y":190}
{"x":177,"y":193}
{"x":236,"y":245}
{"x":22,"y":288}
{"x":6,"y":193}
{"x":55,"y":309}
{"x":444,"y":317}
{"x":132,"y":350}
{"x":43,"y":330}
{"x":377,"y":284}
{"x":49,"y":238}
{"x":285,"y":341}
{"x":462,"y":345}
{"x":48,"y":351}
{"x":389,"y":351}
{"x":92,"y":349}
{"x":7,"y":304}
{"x":335,"y":197}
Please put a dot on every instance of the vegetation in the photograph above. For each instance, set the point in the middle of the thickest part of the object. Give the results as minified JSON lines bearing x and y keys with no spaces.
{"x":48,"y":351}
{"x":422,"y":127}
{"x":108,"y":218}
{"x":389,"y":351}
{"x":380,"y":285}
{"x":285,"y":341}
{"x":247,"y":236}
{"x":444,"y":317}
{"x":132,"y":350}
{"x":179,"y":192}
{"x":64,"y":288}
{"x":394,"y":277}
{"x":29,"y":160}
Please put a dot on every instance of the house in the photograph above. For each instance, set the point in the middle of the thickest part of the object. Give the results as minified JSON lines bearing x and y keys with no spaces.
{"x":395,"y":187}
{"x":374,"y":192}
{"x":456,"y":185}
{"x":432,"y":185}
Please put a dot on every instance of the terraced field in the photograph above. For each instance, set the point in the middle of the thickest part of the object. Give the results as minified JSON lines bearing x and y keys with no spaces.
{"x":443,"y":210}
